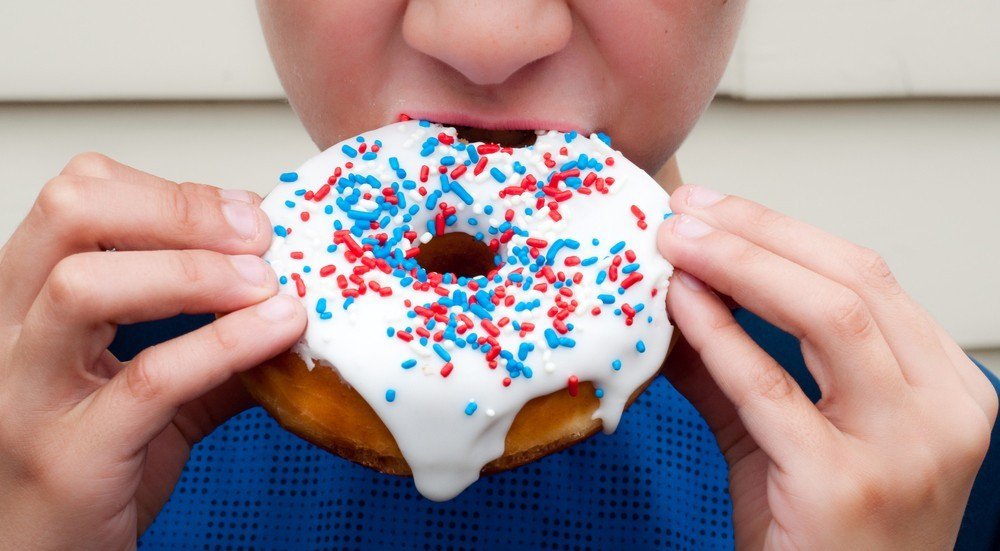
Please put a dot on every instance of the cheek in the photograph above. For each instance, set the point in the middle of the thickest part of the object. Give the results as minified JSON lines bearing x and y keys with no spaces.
{"x":666,"y":59}
{"x":329,"y":55}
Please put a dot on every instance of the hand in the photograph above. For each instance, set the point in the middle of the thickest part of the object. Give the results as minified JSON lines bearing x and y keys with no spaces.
{"x":887,"y":458}
{"x":90,"y":448}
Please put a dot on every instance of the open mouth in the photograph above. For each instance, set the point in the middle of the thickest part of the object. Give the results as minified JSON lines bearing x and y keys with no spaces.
{"x":513,"y":133}
{"x":503,"y":138}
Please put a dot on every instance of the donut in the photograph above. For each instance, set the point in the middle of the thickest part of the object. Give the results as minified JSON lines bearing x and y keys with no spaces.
{"x":472,"y":306}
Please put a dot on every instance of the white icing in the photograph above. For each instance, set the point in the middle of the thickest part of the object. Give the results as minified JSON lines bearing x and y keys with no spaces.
{"x":445,"y":447}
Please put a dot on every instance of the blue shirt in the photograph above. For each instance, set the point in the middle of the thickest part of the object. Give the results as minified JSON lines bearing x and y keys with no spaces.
{"x":659,"y":482}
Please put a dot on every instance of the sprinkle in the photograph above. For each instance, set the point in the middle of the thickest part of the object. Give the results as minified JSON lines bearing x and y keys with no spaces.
{"x":616,"y":365}
{"x":349,"y":151}
{"x":446,"y":369}
{"x":640,"y":346}
{"x":573,"y":385}
{"x":288,"y":177}
{"x":390,"y":395}
{"x":442,"y":352}
{"x":409,"y":364}
{"x":471,"y":408}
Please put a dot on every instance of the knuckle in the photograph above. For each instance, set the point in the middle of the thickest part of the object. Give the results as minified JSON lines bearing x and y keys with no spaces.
{"x":974,"y":437}
{"x":848,"y":316}
{"x":60,"y":200}
{"x":748,"y":253}
{"x":183,"y":206}
{"x":190,"y":267}
{"x":873,"y":271}
{"x":222,"y":338}
{"x":90,"y":164}
{"x":765,"y":220}
{"x":772,"y":383}
{"x":143,"y":379}
{"x":68,"y":286}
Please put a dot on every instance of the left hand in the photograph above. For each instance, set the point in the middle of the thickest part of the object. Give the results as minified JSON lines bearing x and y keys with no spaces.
{"x":888,"y":456}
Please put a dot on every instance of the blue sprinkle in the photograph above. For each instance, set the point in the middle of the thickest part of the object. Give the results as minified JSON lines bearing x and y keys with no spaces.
{"x":409,"y":364}
{"x":348,"y":302}
{"x":571,"y":135}
{"x":425,"y":124}
{"x":551,"y":338}
{"x":369,"y":156}
{"x":283,"y":280}
{"x":604,"y":138}
{"x":599,"y":393}
{"x":462,"y":193}
{"x":442,"y":352}
{"x":667,"y":215}
{"x":321,"y":306}
{"x":288,"y":177}
{"x":447,"y":160}
{"x":390,"y":395}
{"x":524,"y":350}
{"x":498,"y":175}
{"x":325,"y":316}
{"x":349,"y":151}
{"x":640,"y":346}
{"x":280,"y":231}
{"x":616,"y":365}
{"x":618,"y":247}
{"x":471,"y":408}
{"x":389,"y":331}
{"x":607,"y":299}
{"x":629,"y":268}
{"x":588,"y":261}
{"x":290,"y":204}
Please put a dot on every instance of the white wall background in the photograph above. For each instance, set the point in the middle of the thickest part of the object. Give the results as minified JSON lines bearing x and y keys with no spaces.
{"x":917,"y":179}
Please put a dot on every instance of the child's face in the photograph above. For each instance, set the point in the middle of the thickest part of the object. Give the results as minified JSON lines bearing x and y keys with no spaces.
{"x":641,"y":71}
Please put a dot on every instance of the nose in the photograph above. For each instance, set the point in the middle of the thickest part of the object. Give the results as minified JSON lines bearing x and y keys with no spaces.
{"x":487,"y":40}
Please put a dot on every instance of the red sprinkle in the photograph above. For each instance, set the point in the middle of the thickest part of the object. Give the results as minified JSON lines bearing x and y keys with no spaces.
{"x":446,"y":370}
{"x":573,"y":385}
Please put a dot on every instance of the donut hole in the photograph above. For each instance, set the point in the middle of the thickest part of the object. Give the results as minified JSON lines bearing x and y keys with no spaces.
{"x":503,"y":138}
{"x":456,"y":253}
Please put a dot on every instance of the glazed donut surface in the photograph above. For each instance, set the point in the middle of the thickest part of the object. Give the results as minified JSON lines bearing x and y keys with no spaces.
{"x":449,"y":284}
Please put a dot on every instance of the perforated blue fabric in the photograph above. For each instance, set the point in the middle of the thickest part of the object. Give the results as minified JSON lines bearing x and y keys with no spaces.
{"x":658,"y":483}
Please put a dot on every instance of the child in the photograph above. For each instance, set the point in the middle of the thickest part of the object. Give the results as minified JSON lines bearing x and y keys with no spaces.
{"x":91,"y":449}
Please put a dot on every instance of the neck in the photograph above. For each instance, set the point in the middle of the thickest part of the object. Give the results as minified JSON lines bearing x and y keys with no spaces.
{"x":669,"y":175}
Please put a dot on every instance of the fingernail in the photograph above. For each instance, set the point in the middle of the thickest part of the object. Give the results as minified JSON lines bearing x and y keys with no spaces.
{"x":242,"y":217}
{"x":689,"y":226}
{"x":240,"y":195}
{"x":253,"y":269}
{"x":702,"y":197}
{"x":691,"y":282}
{"x":277,"y":308}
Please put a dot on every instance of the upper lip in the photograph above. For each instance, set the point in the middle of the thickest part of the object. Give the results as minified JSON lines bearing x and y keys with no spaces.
{"x":452,"y":118}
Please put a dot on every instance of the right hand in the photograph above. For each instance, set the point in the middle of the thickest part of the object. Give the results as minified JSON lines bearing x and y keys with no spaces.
{"x":90,"y":448}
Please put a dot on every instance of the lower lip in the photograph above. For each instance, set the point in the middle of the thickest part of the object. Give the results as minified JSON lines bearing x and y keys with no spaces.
{"x":460,"y":119}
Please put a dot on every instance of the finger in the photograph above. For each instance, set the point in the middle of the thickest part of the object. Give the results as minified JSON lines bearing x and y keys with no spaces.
{"x":139,"y":402}
{"x":972,"y":377}
{"x":774,"y":410}
{"x":73,"y":320}
{"x":76,"y":214}
{"x":96,"y":165}
{"x":830,"y":319}
{"x":687,"y":373}
{"x":906,"y":327}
